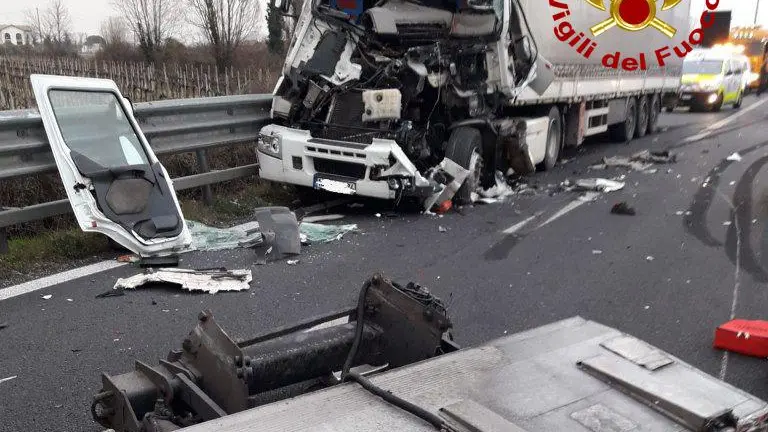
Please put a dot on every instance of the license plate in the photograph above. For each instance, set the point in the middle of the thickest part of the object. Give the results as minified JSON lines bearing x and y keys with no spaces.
{"x":336,"y":186}
{"x":686,"y":97}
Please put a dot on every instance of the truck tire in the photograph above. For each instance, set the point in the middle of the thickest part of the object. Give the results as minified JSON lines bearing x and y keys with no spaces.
{"x":624,"y":131}
{"x":643,"y":116}
{"x":465,"y":148}
{"x":554,"y":140}
{"x":653,"y":114}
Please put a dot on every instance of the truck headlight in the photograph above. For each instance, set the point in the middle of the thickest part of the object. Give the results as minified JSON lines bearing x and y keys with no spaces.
{"x":270,"y":145}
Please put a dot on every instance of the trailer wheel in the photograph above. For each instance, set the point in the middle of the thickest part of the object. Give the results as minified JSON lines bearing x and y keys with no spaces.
{"x":643,"y":116}
{"x":465,"y":148}
{"x":653,"y":114}
{"x":554,"y":140}
{"x":623,"y":132}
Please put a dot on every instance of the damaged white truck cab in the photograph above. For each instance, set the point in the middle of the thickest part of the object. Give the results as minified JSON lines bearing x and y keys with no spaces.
{"x":113,"y":180}
{"x":374,"y":98}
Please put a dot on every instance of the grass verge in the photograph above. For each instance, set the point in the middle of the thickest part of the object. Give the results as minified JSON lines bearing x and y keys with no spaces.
{"x":32,"y":254}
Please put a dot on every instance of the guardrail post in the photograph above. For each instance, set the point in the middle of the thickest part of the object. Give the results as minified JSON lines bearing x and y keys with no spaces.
{"x":202,"y":164}
{"x":3,"y":241}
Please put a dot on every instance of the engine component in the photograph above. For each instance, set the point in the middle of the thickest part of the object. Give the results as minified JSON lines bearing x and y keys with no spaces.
{"x":213,"y":376}
{"x":382,"y":104}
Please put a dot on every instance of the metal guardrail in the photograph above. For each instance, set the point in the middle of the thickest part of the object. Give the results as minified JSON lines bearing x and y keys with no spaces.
{"x":171,"y":127}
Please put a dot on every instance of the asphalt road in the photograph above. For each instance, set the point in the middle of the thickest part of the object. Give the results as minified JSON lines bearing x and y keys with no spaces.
{"x":663,"y":275}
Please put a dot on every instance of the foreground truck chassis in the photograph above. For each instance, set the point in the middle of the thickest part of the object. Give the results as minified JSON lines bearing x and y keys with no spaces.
{"x":572,"y":375}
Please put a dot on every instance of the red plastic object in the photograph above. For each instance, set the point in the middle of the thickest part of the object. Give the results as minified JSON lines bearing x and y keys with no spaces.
{"x":743,"y":337}
{"x":444,"y":207}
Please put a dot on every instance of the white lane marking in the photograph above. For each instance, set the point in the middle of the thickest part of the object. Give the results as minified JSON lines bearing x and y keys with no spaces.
{"x":8,"y":379}
{"x":712,"y":128}
{"x":736,"y":278}
{"x":573,"y":205}
{"x":48,"y":281}
{"x":520,"y":225}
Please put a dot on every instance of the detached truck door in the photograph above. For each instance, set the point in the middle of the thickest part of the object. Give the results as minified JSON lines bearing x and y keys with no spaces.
{"x":114,"y":181}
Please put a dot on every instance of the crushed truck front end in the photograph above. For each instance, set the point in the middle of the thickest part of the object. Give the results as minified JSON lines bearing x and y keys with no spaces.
{"x":378,"y":170}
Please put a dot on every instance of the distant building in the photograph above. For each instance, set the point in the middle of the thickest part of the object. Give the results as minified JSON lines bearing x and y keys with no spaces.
{"x":17,"y":34}
{"x":92,"y":45}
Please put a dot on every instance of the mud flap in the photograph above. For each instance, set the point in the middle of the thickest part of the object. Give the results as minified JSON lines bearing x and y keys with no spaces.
{"x":512,"y":134}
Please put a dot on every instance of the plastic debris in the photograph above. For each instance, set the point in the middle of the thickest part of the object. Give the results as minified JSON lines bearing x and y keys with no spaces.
{"x":205,"y":238}
{"x":2,"y":380}
{"x":318,"y":233}
{"x":323,"y":218}
{"x":447,"y":178}
{"x":599,"y":185}
{"x":442,"y":229}
{"x":597,"y":252}
{"x":727,"y":223}
{"x":623,"y":208}
{"x":280,"y":228}
{"x":46,"y":297}
{"x":736,"y":157}
{"x":649,"y":258}
{"x":499,"y":191}
{"x":209,"y":281}
{"x":743,"y":337}
{"x":130,"y":258}
{"x":292,"y":262}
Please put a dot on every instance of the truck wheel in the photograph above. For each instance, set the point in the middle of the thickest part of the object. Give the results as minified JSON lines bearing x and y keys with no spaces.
{"x":465,"y":148}
{"x":554,"y":139}
{"x":653,"y":114}
{"x":643,"y":116}
{"x":623,"y":132}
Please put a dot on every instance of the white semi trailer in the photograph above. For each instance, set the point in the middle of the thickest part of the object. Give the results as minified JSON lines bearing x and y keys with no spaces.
{"x":376,"y":95}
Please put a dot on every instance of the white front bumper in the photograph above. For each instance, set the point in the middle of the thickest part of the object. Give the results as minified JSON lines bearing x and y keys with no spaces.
{"x":299,"y":152}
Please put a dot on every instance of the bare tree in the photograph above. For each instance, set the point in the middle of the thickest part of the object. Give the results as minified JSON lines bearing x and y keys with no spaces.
{"x":225,"y":24}
{"x":289,"y":23}
{"x":58,"y":21}
{"x":114,"y":31}
{"x":36,"y":20}
{"x":151,"y":22}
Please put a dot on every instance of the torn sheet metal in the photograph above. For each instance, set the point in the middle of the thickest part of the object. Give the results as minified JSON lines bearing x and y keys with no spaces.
{"x":205,"y":238}
{"x":209,"y":281}
{"x":599,"y":185}
{"x":282,"y":222}
{"x":449,"y":176}
{"x":318,"y":233}
{"x":641,"y":161}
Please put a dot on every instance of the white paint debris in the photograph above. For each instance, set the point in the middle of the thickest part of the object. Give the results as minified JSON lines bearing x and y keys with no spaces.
{"x":649,"y":258}
{"x":210,"y":281}
{"x":8,"y":379}
{"x":597,"y":252}
{"x":47,"y":297}
{"x":736,"y":157}
{"x":727,"y":223}
{"x":323,"y":218}
{"x":754,"y":221}
{"x":292,"y":262}
{"x":442,"y":229}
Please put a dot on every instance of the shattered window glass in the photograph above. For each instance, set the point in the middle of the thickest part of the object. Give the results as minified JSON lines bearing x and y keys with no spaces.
{"x":95,"y":125}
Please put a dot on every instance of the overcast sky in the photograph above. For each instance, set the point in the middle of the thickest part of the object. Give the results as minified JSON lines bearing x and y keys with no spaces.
{"x":87,"y":15}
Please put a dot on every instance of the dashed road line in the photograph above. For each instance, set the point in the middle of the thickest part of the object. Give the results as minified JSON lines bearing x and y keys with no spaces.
{"x":49,"y":281}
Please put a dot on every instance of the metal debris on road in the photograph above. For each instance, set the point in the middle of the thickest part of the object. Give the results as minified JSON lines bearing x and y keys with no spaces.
{"x":599,"y":185}
{"x":727,"y":223}
{"x":46,"y":297}
{"x":442,"y":229}
{"x":736,"y":157}
{"x":280,"y":228}
{"x":209,"y":281}
{"x":623,"y":208}
{"x":447,"y":178}
{"x":2,"y":380}
{"x":641,"y":161}
{"x":318,"y":233}
{"x":649,"y":258}
{"x":292,"y":262}
{"x":597,"y":252}
{"x":206,"y":238}
{"x":323,"y":218}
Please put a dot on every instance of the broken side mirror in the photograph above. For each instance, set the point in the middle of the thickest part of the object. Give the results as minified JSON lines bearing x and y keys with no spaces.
{"x":543,"y":75}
